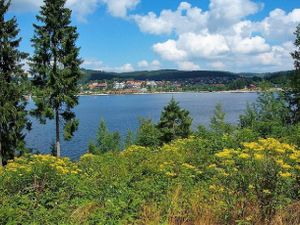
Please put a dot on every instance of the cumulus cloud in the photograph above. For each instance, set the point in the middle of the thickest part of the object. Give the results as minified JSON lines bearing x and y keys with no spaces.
{"x":145,"y":65}
{"x":188,"y":66}
{"x":25,"y":5}
{"x":185,"y":19}
{"x":169,"y":50}
{"x":223,"y":36}
{"x":95,"y":64}
{"x":224,"y":13}
{"x":279,"y":25}
{"x":81,"y":8}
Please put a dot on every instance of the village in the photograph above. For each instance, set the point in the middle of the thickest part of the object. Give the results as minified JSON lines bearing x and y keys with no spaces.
{"x":137,"y":86}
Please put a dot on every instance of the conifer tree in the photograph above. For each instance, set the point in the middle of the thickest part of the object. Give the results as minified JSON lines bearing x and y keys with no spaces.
{"x":148,"y":135}
{"x":12,"y":87}
{"x":174,"y":122}
{"x":294,"y":92}
{"x":55,"y":67}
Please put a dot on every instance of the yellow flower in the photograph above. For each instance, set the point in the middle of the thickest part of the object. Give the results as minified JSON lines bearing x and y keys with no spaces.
{"x":285,"y":175}
{"x":266,"y":191}
{"x":170,"y":174}
{"x":244,"y":156}
{"x":226,"y":153}
{"x":258,"y":156}
{"x":212,"y":166}
{"x":189,"y":166}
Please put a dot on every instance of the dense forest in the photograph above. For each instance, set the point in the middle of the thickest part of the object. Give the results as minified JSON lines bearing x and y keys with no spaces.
{"x":159,"y":75}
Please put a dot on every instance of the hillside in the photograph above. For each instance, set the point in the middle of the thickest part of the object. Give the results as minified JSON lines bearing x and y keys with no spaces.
{"x":158,"y":75}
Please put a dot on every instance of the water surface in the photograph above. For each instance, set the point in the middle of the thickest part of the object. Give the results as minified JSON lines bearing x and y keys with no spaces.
{"x":122,"y":112}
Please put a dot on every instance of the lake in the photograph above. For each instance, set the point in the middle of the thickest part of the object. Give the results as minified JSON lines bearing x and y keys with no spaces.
{"x":121,"y":112}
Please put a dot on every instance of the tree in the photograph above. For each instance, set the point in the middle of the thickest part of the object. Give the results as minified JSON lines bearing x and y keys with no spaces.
{"x":268,"y":116}
{"x":55,"y":67}
{"x":174,"y":122}
{"x":148,"y":134}
{"x":218,"y":123}
{"x":293,"y":93}
{"x":12,"y":87}
{"x":129,"y":139}
{"x":105,"y":140}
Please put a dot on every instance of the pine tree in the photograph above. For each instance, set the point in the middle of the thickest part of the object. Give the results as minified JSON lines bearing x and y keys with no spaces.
{"x":174,"y":122}
{"x":55,"y":66}
{"x":106,"y":141}
{"x":148,"y":135}
{"x":218,"y":123}
{"x":12,"y":88}
{"x":294,"y":92}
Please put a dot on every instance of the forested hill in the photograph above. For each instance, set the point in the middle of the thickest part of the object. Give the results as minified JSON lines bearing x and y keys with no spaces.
{"x":158,"y":75}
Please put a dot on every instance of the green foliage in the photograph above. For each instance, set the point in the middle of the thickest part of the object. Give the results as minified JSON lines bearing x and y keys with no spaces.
{"x":267,"y":116}
{"x":293,"y":90}
{"x":129,"y":139}
{"x":55,"y":66}
{"x":12,"y":87}
{"x":187,"y":180}
{"x":148,"y":134}
{"x":174,"y":122}
{"x":218,"y":123}
{"x":105,"y":140}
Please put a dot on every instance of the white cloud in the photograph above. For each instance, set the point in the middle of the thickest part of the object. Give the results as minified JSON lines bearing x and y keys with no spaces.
{"x":279,"y":25}
{"x":188,"y":66}
{"x":81,"y":8}
{"x":119,"y":8}
{"x":250,"y":45}
{"x":25,"y":5}
{"x":185,"y":19}
{"x":125,"y":68}
{"x":224,"y":13}
{"x":217,"y":65}
{"x":223,"y":36}
{"x":169,"y":51}
{"x":202,"y":45}
{"x":145,"y":65}
{"x":94,"y":64}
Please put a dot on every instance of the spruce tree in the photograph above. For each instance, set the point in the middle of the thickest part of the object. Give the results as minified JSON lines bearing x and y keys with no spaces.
{"x":55,"y":67}
{"x":174,"y":122}
{"x":12,"y":87}
{"x":293,"y":92}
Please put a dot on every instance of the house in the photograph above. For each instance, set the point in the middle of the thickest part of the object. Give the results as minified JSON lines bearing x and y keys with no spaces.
{"x":119,"y":85}
{"x":101,"y":86}
{"x":131,"y":84}
{"x":151,"y":84}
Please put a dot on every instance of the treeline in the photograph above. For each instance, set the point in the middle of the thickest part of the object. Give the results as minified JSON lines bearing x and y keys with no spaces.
{"x":176,"y":75}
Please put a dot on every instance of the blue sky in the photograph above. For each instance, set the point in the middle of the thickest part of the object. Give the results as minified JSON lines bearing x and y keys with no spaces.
{"x":127,"y":35}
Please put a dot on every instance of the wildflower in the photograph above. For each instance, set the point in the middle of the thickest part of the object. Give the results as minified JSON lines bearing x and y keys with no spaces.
{"x":285,"y":175}
{"x":170,"y":174}
{"x":189,"y":166}
{"x":266,"y":191}
{"x":258,"y":156}
{"x":226,"y":153}
{"x":244,"y":156}
{"x":212,"y":166}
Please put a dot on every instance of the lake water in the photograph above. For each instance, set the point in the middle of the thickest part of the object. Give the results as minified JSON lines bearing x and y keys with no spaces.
{"x":122,"y":112}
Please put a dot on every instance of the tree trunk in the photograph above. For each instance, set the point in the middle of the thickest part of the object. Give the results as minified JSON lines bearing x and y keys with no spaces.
{"x":1,"y":156}
{"x":57,"y":144}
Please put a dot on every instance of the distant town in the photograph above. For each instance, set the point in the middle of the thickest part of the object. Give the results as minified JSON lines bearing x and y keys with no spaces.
{"x":132,"y":86}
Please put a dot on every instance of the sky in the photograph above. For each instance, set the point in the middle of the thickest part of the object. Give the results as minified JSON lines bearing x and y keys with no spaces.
{"x":130,"y":35}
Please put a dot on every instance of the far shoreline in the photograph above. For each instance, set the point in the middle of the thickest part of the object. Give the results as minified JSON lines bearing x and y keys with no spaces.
{"x":177,"y":92}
